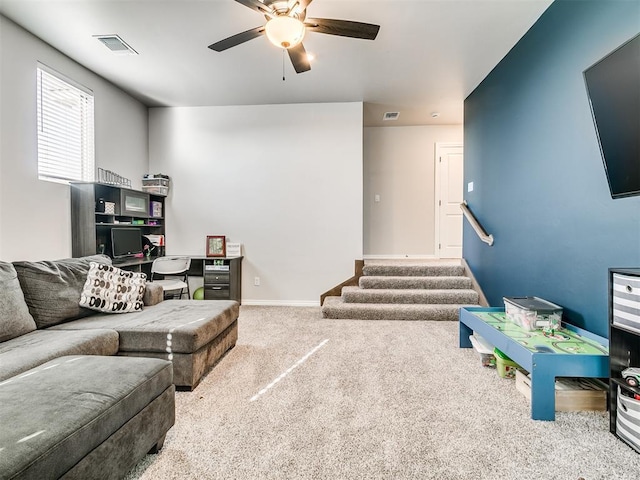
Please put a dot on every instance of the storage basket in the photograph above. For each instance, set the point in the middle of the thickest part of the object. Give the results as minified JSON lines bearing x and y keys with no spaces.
{"x":485,"y":350}
{"x":505,"y":367}
{"x":626,"y":302}
{"x":156,"y":185}
{"x":628,"y":419}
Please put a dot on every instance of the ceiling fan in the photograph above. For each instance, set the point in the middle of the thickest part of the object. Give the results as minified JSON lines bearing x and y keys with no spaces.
{"x":287,"y":24}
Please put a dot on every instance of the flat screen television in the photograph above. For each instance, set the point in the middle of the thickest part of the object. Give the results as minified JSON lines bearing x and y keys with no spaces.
{"x":126,"y":242}
{"x":613,"y":87}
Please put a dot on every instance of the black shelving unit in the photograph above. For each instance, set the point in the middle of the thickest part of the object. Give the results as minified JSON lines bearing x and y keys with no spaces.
{"x":91,"y":229}
{"x":624,"y":352}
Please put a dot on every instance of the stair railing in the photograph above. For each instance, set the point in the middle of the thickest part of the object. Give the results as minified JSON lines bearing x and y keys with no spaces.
{"x":473,"y":221}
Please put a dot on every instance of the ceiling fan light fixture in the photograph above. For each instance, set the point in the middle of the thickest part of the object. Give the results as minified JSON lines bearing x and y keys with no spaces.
{"x":285,"y":31}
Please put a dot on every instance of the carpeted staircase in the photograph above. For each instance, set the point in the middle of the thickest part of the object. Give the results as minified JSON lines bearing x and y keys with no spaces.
{"x":405,"y":290}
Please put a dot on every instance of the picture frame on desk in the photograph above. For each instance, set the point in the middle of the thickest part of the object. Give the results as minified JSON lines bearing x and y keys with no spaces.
{"x":216,"y":246}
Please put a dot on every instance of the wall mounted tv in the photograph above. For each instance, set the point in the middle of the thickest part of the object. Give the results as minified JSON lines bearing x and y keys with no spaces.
{"x":613,"y":86}
{"x":126,"y":242}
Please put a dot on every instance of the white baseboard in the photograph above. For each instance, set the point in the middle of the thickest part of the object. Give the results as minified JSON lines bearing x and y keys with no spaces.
{"x":281,"y":303}
{"x":397,"y":257}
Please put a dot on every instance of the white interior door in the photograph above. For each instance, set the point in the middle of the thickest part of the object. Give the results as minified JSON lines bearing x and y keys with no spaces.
{"x":450,"y":180}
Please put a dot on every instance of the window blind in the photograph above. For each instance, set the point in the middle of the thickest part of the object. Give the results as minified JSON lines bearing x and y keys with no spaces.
{"x":65,"y":129}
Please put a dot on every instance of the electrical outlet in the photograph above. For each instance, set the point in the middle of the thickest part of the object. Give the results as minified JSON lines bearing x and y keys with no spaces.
{"x":256,"y":281}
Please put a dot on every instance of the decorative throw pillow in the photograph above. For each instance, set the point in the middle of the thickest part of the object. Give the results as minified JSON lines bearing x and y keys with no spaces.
{"x":52,"y":288}
{"x":112,"y":290}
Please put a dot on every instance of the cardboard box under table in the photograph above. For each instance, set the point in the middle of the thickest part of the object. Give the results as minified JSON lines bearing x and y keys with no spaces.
{"x":572,"y":394}
{"x":570,"y":352}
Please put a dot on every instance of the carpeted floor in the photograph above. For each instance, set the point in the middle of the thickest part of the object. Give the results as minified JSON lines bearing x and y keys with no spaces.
{"x":377,"y":400}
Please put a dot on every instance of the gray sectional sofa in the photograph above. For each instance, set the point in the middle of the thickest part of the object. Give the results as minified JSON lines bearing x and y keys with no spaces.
{"x":86,"y":394}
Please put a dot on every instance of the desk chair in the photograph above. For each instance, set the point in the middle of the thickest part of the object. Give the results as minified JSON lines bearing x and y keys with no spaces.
{"x":174,"y":271}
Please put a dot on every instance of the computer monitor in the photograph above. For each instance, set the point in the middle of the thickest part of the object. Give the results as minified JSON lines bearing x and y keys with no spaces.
{"x":126,"y":242}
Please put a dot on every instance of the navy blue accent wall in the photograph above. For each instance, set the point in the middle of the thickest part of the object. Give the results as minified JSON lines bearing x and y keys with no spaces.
{"x":539,"y":183}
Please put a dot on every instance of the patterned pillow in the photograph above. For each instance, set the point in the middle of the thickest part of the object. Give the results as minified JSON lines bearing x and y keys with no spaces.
{"x":112,"y":290}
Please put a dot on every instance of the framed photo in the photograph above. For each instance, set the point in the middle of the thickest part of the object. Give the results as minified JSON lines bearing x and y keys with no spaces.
{"x":216,"y":246}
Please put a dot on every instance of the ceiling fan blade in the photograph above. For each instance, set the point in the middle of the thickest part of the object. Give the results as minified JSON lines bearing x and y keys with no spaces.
{"x":237,"y":39}
{"x":299,"y":59}
{"x":258,"y":7}
{"x":344,"y":28}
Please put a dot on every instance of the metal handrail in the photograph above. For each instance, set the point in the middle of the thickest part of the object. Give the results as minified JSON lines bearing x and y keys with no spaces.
{"x":480,"y":231}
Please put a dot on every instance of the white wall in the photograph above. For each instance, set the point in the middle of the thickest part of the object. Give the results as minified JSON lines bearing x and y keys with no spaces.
{"x":399,"y":165}
{"x":34,"y":214}
{"x":284,"y":180}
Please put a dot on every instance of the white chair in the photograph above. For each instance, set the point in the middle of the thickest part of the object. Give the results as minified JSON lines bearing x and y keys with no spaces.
{"x":174,"y":271}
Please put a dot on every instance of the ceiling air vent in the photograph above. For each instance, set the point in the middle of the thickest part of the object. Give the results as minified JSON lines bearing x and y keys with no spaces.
{"x":391,"y":116}
{"x":116,"y":44}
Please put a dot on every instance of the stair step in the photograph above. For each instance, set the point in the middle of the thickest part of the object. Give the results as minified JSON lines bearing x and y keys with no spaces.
{"x":409,"y":270}
{"x":408,"y":296}
{"x":440,"y":282}
{"x":336,"y":308}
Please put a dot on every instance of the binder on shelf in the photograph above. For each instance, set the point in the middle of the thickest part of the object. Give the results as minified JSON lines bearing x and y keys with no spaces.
{"x":155,"y":209}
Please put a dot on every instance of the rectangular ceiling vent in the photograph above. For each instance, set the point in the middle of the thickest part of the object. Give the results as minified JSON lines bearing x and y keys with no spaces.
{"x":391,"y":116}
{"x":116,"y":44}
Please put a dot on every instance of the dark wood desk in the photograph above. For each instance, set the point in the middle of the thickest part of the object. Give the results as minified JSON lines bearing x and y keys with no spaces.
{"x":222,"y":275}
{"x":135,"y":264}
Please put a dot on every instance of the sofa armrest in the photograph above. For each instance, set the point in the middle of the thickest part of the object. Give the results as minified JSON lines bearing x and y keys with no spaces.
{"x":153,"y":294}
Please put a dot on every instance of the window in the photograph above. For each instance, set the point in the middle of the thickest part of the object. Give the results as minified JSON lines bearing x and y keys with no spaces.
{"x":65,"y":129}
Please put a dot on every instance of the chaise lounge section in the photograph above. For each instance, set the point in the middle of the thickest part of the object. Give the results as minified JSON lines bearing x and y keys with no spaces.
{"x":192,"y":334}
{"x":83,"y":394}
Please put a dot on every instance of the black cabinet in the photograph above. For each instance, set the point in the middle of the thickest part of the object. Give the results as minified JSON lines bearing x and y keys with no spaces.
{"x":624,"y":352}
{"x":222,"y":278}
{"x":96,"y":208}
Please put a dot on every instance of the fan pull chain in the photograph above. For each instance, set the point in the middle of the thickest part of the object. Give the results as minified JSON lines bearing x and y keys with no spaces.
{"x":283,"y":79}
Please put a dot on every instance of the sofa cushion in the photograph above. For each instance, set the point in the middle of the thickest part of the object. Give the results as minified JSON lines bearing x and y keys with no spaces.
{"x":180,"y":326}
{"x":56,"y":414}
{"x":52,"y":288}
{"x":35,"y":348}
{"x":15,"y":319}
{"x":153,"y":294}
{"x":110,"y":289}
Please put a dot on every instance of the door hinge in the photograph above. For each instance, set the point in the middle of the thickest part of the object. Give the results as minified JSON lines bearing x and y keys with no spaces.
{"x":439,"y":246}
{"x":439,"y":203}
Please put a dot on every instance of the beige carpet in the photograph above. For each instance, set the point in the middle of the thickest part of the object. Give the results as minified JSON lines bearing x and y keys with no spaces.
{"x":377,"y":400}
